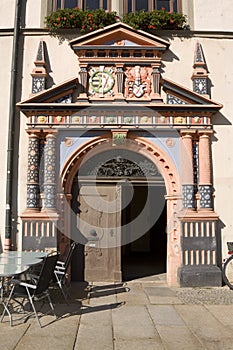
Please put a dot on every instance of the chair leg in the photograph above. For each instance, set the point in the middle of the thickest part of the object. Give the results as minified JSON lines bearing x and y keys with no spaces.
{"x":59,"y":282}
{"x":5,"y":306}
{"x":51,"y":304}
{"x":33,"y":307}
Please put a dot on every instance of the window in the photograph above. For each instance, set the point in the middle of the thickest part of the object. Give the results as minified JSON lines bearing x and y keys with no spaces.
{"x":82,"y":4}
{"x":149,"y":5}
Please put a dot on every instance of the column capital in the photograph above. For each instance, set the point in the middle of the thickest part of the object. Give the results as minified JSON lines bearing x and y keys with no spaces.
{"x":51,"y":133}
{"x":205,"y":132}
{"x":33,"y":133}
{"x":187,"y":133}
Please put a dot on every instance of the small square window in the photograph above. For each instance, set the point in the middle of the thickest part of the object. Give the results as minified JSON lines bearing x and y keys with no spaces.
{"x":150,"y":5}
{"x":82,"y":4}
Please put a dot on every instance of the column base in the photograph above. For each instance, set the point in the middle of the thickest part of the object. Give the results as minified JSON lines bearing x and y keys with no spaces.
{"x":8,"y":244}
{"x":200,"y":276}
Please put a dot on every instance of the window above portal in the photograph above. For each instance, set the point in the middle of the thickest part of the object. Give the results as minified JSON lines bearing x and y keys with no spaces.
{"x":150,"y":5}
{"x":128,"y":5}
{"x":82,"y":4}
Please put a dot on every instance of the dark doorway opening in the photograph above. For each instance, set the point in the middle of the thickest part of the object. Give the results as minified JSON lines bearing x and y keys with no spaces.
{"x":146,"y":256}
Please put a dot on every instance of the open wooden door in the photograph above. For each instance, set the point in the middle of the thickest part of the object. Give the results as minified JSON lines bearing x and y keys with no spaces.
{"x":99,"y":221}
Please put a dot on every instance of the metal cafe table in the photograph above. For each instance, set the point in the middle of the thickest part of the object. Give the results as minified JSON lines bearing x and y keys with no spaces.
{"x":15,"y":263}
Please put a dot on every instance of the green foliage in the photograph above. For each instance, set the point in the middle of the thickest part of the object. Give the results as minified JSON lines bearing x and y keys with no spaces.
{"x":158,"y":19}
{"x":86,"y":21}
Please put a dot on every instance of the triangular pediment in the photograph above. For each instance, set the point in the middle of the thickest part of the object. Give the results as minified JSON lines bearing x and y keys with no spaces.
{"x":60,"y":93}
{"x":67,"y":92}
{"x":184,"y":96}
{"x":119,"y":34}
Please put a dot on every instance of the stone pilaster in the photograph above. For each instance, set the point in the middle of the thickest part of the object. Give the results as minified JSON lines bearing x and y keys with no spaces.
{"x":83,"y":82}
{"x":187,"y":171}
{"x":33,"y":192}
{"x":205,"y":178}
{"x":50,"y":186}
{"x":120,"y":81}
{"x":156,"y":83}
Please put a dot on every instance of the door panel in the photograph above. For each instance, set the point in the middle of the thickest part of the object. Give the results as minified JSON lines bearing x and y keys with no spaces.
{"x":99,"y":220}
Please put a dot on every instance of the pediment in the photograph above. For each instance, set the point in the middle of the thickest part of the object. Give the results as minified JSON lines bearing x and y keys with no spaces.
{"x":60,"y":93}
{"x":119,"y":85}
{"x":119,"y":34}
{"x":178,"y":94}
{"x":67,"y":93}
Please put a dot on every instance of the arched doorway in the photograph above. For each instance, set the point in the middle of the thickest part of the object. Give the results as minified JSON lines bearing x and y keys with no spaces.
{"x":134,"y":189}
{"x":157,"y":159}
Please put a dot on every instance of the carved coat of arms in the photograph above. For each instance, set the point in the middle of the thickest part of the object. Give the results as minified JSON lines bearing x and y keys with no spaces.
{"x":137,"y":82}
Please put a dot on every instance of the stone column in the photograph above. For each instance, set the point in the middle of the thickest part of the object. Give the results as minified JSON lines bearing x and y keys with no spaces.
{"x":155,"y":95}
{"x":33,"y":191}
{"x":205,"y":181}
{"x":120,"y":81}
{"x":83,"y":81}
{"x":187,"y":173}
{"x":50,"y":186}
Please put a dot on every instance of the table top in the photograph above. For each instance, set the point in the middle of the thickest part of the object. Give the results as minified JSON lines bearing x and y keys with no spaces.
{"x":9,"y":270}
{"x":17,"y":262}
{"x":16,"y":253}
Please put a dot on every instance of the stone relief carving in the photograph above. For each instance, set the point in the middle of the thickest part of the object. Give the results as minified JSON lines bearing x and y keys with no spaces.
{"x":138,"y":83}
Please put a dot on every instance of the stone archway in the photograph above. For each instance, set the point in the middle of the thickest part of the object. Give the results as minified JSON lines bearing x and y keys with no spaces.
{"x":165,"y":166}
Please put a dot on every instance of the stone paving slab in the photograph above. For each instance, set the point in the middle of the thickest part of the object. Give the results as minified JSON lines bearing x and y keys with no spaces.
{"x":209,"y":330}
{"x":137,"y":315}
{"x":11,"y":336}
{"x":162,"y":295}
{"x":57,"y":334}
{"x":138,"y":344}
{"x":223,"y":313}
{"x":133,"y":322}
{"x":172,"y":329}
{"x":134,"y":294}
{"x":95,"y":331}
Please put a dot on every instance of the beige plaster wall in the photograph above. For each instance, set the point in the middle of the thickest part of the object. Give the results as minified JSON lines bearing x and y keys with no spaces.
{"x":213,"y":15}
{"x":33,"y":14}
{"x":8,"y":9}
{"x":5,"y":49}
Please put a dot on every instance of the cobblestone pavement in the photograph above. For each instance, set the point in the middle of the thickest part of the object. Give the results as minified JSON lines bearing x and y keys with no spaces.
{"x":138,"y":315}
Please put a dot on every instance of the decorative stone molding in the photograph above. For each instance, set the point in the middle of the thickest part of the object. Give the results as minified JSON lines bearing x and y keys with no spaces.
{"x":33,"y":172}
{"x":200,"y":75}
{"x":83,"y":81}
{"x":187,"y":174}
{"x":119,"y":137}
{"x":39,"y":73}
{"x":205,"y":174}
{"x":120,"y":81}
{"x":50,"y":187}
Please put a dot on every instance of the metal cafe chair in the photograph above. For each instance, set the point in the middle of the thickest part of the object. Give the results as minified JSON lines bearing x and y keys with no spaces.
{"x":61,"y":271}
{"x":35,"y":289}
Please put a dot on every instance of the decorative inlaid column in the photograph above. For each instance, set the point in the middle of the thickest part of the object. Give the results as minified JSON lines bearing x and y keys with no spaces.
{"x":156,"y":82}
{"x":120,"y":80}
{"x":83,"y":81}
{"x":50,"y":187}
{"x":33,"y":191}
{"x":205,"y":183}
{"x":187,"y":172}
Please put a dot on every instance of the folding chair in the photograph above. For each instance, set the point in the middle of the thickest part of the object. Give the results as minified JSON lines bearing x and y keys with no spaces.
{"x":35,"y":289}
{"x":61,"y":269}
